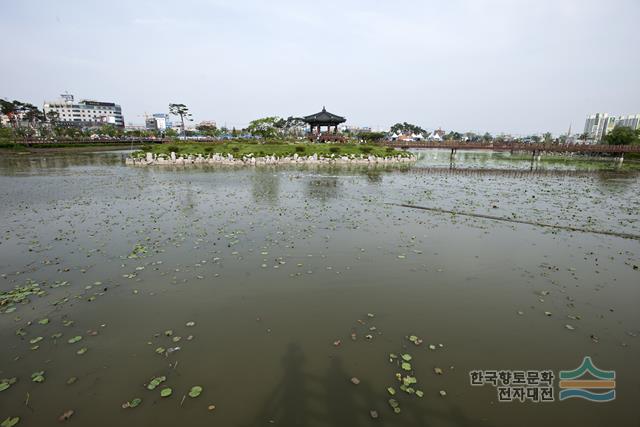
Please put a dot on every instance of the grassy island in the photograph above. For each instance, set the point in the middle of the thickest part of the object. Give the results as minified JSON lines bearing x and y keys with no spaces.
{"x":279,"y":149}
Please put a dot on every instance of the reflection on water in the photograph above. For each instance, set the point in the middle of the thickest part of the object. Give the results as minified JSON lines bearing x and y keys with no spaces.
{"x":322,"y":188}
{"x":265,"y":186}
{"x":298,"y":279}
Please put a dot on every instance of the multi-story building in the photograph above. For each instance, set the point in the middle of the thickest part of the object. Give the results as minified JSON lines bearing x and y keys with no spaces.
{"x":158,"y":121}
{"x":595,"y":126}
{"x":85,"y":112}
{"x":630,"y":121}
{"x":598,"y":125}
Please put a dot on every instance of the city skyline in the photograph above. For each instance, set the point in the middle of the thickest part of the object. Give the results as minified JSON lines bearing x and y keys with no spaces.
{"x":465,"y":66}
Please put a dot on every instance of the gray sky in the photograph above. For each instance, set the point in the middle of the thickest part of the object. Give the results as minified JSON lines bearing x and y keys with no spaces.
{"x":516,"y":66}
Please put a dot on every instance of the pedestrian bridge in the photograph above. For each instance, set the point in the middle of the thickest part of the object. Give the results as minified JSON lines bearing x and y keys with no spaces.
{"x":534,"y":148}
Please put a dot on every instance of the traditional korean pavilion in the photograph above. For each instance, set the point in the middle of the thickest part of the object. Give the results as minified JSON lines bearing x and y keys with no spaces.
{"x":323,"y":118}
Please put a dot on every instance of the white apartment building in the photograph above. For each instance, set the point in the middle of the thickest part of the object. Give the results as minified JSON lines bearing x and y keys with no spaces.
{"x":594,"y":127}
{"x":85,"y":112}
{"x":630,"y":121}
{"x":598,"y":125}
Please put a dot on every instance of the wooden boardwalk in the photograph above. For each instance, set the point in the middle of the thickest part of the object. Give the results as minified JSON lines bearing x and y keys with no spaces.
{"x":534,"y":148}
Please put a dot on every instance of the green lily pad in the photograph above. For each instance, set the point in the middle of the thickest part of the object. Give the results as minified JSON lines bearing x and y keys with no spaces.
{"x":82,"y":351}
{"x":43,"y":321}
{"x":160,"y":350}
{"x":155,"y":382}
{"x":72,"y":380}
{"x":166,"y":392}
{"x":37,"y":377}
{"x":195,"y":391}
{"x":4,"y":385}
{"x":419,"y":393}
{"x":133,"y":403}
{"x":74,"y":339}
{"x":10,"y":422}
{"x":406,"y":357}
{"x":35,"y":340}
{"x":391,"y":390}
{"x":409,"y":380}
{"x":406,"y":366}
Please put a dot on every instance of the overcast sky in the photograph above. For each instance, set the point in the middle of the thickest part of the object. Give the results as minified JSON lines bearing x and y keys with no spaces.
{"x":516,"y":66}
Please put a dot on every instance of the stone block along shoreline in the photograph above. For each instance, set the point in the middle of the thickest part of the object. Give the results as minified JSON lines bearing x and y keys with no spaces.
{"x":151,"y":159}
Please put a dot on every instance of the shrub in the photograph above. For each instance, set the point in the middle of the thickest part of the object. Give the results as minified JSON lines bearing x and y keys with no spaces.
{"x":174,"y":148}
{"x":300,"y":149}
{"x":235,"y":149}
{"x":365,"y":150}
{"x":208,"y":149}
{"x":334,"y":150}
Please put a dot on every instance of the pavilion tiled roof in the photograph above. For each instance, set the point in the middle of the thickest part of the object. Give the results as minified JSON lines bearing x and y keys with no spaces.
{"x":324,"y":117}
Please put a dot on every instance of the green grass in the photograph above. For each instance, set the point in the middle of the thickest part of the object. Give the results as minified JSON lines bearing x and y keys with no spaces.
{"x":280,"y":150}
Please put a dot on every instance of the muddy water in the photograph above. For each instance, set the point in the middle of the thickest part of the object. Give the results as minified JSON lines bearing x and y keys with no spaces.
{"x":278,"y":268}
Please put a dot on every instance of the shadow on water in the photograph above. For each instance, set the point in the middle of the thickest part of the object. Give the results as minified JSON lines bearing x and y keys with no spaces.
{"x":302,"y":399}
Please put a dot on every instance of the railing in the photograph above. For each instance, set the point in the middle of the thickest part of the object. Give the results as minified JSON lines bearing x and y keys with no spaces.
{"x":560,"y":148}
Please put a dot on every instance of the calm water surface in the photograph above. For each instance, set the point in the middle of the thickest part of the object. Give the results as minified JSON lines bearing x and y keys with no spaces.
{"x":286,"y":271}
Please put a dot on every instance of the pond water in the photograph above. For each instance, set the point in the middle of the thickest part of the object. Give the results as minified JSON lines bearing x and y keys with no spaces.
{"x":299,"y":279}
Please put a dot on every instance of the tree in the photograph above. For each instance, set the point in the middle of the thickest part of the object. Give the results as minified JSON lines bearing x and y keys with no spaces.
{"x":547,"y":138}
{"x":265,"y":127}
{"x":208,"y":130}
{"x":21,"y":111}
{"x":32,"y":114}
{"x":583,"y":136}
{"x":406,"y":128}
{"x":487,"y":137}
{"x":110,"y":130}
{"x":291,"y":126}
{"x":623,"y":135}
{"x":453,"y":136}
{"x":182,"y":111}
{"x":9,"y":109}
{"x":371,"y":136}
{"x":170,"y":133}
{"x":53,"y":117}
